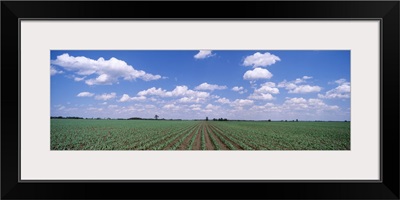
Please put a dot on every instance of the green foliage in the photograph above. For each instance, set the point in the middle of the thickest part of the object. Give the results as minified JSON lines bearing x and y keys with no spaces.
{"x":287,"y":136}
{"x":214,"y":141}
{"x":203,"y":140}
{"x":190,"y":146}
{"x":86,"y":134}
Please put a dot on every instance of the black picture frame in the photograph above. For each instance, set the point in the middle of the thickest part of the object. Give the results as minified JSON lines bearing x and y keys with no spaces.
{"x":386,"y":11}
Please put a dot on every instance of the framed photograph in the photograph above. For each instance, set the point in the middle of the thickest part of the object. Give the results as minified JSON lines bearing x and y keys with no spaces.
{"x":299,"y":96}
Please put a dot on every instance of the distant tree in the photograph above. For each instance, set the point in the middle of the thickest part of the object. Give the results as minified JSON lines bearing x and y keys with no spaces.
{"x":214,"y":119}
{"x":286,"y":120}
{"x":206,"y":118}
{"x":59,"y":117}
{"x":156,"y":117}
{"x":269,"y":120}
{"x":345,"y":120}
{"x":297,"y":120}
{"x":134,"y":118}
{"x":225,"y":119}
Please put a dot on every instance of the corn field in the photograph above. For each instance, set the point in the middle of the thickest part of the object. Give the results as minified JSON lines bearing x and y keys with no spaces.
{"x":85,"y":134}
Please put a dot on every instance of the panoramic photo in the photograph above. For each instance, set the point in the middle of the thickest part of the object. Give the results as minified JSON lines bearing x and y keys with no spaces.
{"x":200,"y":100}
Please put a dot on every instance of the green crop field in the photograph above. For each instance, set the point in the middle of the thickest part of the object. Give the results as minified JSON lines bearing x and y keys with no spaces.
{"x":85,"y":134}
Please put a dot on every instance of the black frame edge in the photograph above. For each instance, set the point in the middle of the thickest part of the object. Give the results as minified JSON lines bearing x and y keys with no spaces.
{"x":388,"y":189}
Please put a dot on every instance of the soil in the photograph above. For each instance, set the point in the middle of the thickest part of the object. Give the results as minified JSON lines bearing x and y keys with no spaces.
{"x":197,"y":141}
{"x":183,"y":133}
{"x":186,"y":143}
{"x":222,"y":146}
{"x":224,"y":136}
{"x":209,"y":144}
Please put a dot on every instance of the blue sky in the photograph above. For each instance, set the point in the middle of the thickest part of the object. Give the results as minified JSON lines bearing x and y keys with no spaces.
{"x":193,"y":84}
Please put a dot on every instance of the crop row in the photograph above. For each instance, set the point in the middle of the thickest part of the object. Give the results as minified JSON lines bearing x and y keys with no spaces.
{"x":197,"y":135}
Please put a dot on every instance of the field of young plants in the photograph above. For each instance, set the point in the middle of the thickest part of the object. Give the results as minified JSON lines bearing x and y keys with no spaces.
{"x":85,"y":134}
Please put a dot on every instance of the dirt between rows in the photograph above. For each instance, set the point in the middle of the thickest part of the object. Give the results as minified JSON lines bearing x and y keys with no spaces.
{"x":250,"y":145}
{"x":226,"y":138}
{"x":186,"y":142}
{"x":197,"y":141}
{"x":211,"y":133}
{"x":177,"y":139}
{"x":135,"y":144}
{"x":209,"y":144}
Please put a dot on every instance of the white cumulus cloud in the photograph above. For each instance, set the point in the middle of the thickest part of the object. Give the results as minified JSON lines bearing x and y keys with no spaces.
{"x":54,"y":71}
{"x":287,"y":85}
{"x":171,"y":107}
{"x":152,"y":91}
{"x":340,"y":81}
{"x":240,"y":89}
{"x":242,"y":102}
{"x":191,"y":100}
{"x":212,"y":107}
{"x":223,"y":101}
{"x":85,"y":94}
{"x":105,"y":96}
{"x":294,"y":87}
{"x":299,"y":80}
{"x":126,"y":98}
{"x":261,"y":96}
{"x":107,"y":71}
{"x":206,"y":86}
{"x":181,"y":90}
{"x":139,"y":98}
{"x":94,"y":109}
{"x":305,"y":89}
{"x":237,"y":89}
{"x":265,"y":91}
{"x":268,"y":87}
{"x":260,"y":60}
{"x":296,"y":100}
{"x":203,"y":54}
{"x":342,"y":91}
{"x":77,"y":79}
{"x":195,"y":107}
{"x":310,"y":104}
{"x":257,"y":73}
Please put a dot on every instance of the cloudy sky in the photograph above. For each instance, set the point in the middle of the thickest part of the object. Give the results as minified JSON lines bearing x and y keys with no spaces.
{"x":193,"y":84}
